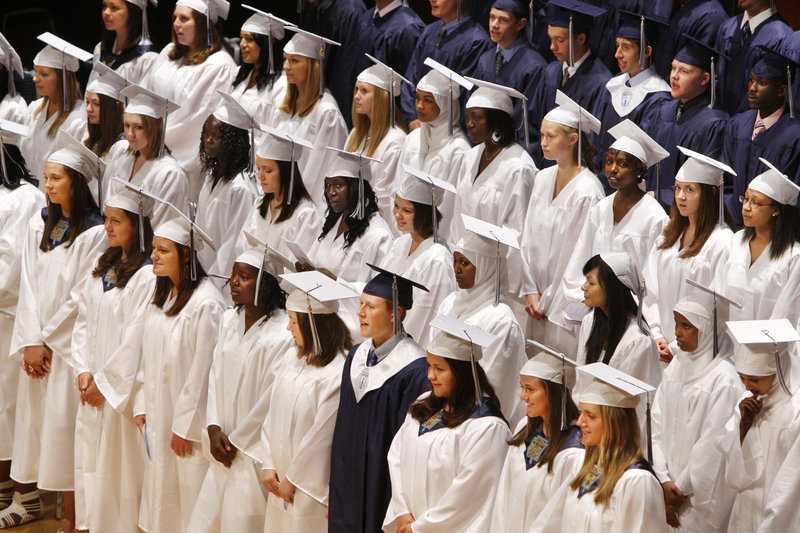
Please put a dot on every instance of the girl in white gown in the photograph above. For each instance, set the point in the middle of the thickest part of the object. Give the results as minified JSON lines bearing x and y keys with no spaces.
{"x":126,"y":46}
{"x":12,"y":104}
{"x":104,"y":108}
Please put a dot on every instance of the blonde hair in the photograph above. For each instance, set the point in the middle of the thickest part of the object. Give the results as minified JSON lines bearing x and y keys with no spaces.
{"x":375,"y":129}
{"x":64,"y":108}
{"x":154,"y":130}
{"x":303,"y":104}
{"x":619,"y":448}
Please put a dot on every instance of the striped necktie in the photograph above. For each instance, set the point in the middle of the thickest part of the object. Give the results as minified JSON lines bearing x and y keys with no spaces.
{"x":758,"y":129}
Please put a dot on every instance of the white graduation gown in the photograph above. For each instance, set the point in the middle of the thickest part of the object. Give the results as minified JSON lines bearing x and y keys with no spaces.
{"x":323,"y":126}
{"x":171,"y":390}
{"x":13,"y":109}
{"x":99,"y":328}
{"x":641,"y":225}
{"x":47,"y":407}
{"x":446,"y":478}
{"x":163,"y":177}
{"x":431,"y":264}
{"x":134,"y":70}
{"x":666,"y":274}
{"x":384,"y":175}
{"x":16,"y":209}
{"x":221,"y":213}
{"x":694,"y":400}
{"x":523,"y":493}
{"x":242,"y":374}
{"x":296,"y":441}
{"x":261,"y":103}
{"x":194,"y":88}
{"x":550,"y":224}
{"x":38,"y":146}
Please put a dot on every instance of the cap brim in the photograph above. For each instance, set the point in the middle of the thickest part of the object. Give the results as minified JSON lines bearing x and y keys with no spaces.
{"x":462,"y":330}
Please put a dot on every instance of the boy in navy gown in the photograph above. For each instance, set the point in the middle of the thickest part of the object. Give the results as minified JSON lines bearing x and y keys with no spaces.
{"x":699,"y":18}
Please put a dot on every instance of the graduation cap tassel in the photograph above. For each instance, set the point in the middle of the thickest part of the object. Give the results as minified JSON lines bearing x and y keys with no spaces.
{"x":450,"y":108}
{"x":433,"y":216}
{"x":3,"y":161}
{"x":649,"y":429}
{"x":721,"y":219}
{"x":359,"y":214}
{"x":163,"y":135}
{"x":580,"y":143}
{"x":321,"y":75}
{"x":141,"y":224}
{"x":269,"y":46}
{"x":640,"y":314}
{"x":571,"y":50}
{"x":530,"y":21}
{"x":291,"y":179}
{"x":299,"y":6}
{"x":642,"y":44}
{"x":781,"y":379}
{"x":100,"y":195}
{"x":258,"y":279}
{"x":658,"y":182}
{"x":252,"y":171}
{"x":458,"y":9}
{"x":497,"y":276}
{"x":209,"y":22}
{"x":12,"y":89}
{"x":525,"y":121}
{"x":473,"y":366}
{"x":64,"y":91}
{"x":314,"y":332}
{"x":713,"y":83}
{"x":397,"y":325}
{"x":192,"y":249}
{"x":791,"y":96}
{"x":145,"y":40}
{"x":391,"y":102}
{"x":714,"y":332}
{"x":564,"y":421}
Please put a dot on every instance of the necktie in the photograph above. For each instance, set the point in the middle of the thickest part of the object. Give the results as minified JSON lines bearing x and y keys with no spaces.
{"x":439,"y":39}
{"x":498,"y":62}
{"x":759,"y":128}
{"x":372,"y":358}
{"x":746,"y":32}
{"x":565,"y":77}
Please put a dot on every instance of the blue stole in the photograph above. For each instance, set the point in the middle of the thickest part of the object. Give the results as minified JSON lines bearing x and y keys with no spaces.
{"x":594,"y":477}
{"x":487,"y":408}
{"x":536,"y":444}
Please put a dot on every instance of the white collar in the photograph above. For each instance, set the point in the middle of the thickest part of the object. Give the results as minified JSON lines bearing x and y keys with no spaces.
{"x":380,"y":13}
{"x":578,"y":63}
{"x":756,"y":21}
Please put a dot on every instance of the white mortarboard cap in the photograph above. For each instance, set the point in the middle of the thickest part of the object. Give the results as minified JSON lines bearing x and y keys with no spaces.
{"x":231,"y":112}
{"x":277,"y":145}
{"x":611,"y":387}
{"x":625,"y":269}
{"x":550,"y":365}
{"x":420,"y":187}
{"x":307,"y":44}
{"x":12,"y":132}
{"x":144,"y":102}
{"x":440,"y":79}
{"x":179,"y":228}
{"x":714,"y":297}
{"x":493,"y":96}
{"x":319,"y":286}
{"x":300,"y":302}
{"x":570,"y":114}
{"x":106,"y":81}
{"x":59,"y":53}
{"x":129,"y":197}
{"x":142,"y":4}
{"x":72,"y":153}
{"x":264,"y":23}
{"x":456,"y":337}
{"x":258,"y":256}
{"x":348,"y":165}
{"x":491,"y":233}
{"x":700,"y":168}
{"x":10,"y":59}
{"x":275,"y":257}
{"x":213,"y":9}
{"x":757,"y":354}
{"x":631,"y":139}
{"x":775,"y":184}
{"x":144,"y":205}
{"x":382,"y":76}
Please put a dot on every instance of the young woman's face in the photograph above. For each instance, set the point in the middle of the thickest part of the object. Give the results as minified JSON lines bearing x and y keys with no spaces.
{"x":134,"y":131}
{"x":120,"y":230}
{"x":621,"y":174}
{"x":464,"y":271}
{"x":294,"y":329}
{"x":477,"y":125}
{"x":594,"y":295}
{"x":249,"y":48}
{"x":58,"y":184}
{"x":426,"y":106}
{"x":166,"y":259}
{"x":336,"y":191}
{"x":403,"y":214}
{"x":269,"y":175}
{"x":686,"y":335}
{"x":296,"y":68}
{"x":93,"y":107}
{"x":534,"y":395}
{"x":758,"y":385}
{"x":363,"y":98}
{"x":115,"y":14}
{"x":243,"y":283}
{"x":687,"y":197}
{"x":183,"y":25}
{"x":591,"y":424}
{"x":46,"y":80}
{"x":556,"y":143}
{"x":374,"y":317}
{"x":211,"y":137}
{"x":758,"y":209}
{"x":443,"y":381}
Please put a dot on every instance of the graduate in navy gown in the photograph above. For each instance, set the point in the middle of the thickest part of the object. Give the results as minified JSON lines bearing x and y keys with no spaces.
{"x":513,"y":63}
{"x":577,"y":71}
{"x":536,"y":32}
{"x":388,"y":32}
{"x":765,"y":130}
{"x":455,"y":42}
{"x":699,"y":18}
{"x":791,"y":48}
{"x":739,"y":38}
{"x":380,"y":379}
{"x":688,"y":119}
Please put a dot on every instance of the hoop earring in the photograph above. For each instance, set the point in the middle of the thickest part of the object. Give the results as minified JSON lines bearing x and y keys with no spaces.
{"x":496,"y":137}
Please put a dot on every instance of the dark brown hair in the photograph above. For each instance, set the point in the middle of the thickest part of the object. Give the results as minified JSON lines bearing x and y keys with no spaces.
{"x":136,"y":258}
{"x":707,"y":219}
{"x":202,"y":50}
{"x":186,"y":286}
{"x":153,"y":129}
{"x":423,"y":219}
{"x":83,"y":206}
{"x":299,"y":192}
{"x":329,"y":327}
{"x":103,"y":135}
{"x":134,"y":27}
{"x":785,"y":230}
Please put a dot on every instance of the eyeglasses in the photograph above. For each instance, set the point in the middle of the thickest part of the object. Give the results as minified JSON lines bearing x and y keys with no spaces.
{"x":753,"y":205}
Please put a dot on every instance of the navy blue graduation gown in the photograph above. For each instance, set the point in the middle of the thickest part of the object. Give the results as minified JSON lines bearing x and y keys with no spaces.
{"x":780,"y":145}
{"x":538,"y":38}
{"x":699,"y":18}
{"x":390,"y":39}
{"x":698,"y":128}
{"x":733,"y":74}
{"x":642,"y":115}
{"x":525,"y":73}
{"x":459,"y":51}
{"x":791,"y":47}
{"x":360,"y":487}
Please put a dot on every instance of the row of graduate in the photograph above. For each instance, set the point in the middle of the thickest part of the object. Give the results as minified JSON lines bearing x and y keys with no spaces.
{"x":184,"y":408}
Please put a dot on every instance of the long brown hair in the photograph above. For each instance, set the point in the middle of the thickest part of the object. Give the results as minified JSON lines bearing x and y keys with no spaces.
{"x":302,"y":104}
{"x":707,"y":219}
{"x":64,"y":108}
{"x":103,"y":135}
{"x":134,"y":27}
{"x":125,"y":269}
{"x":619,"y":448}
{"x":82,"y":208}
{"x":153,"y":129}
{"x":202,"y":50}
{"x":186,"y":286}
{"x":329,"y":327}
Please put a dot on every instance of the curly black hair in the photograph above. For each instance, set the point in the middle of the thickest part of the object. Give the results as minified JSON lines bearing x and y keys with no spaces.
{"x":16,"y":168}
{"x":501,"y":123}
{"x":355,"y":227}
{"x":263,"y":78}
{"x":234,"y":153}
{"x":270,"y":296}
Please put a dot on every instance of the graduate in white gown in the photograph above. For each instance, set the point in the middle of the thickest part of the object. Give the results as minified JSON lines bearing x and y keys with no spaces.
{"x":180,"y":328}
{"x":562,"y":196}
{"x":20,"y":199}
{"x":478,"y":303}
{"x":438,"y":146}
{"x":229,"y":188}
{"x":417,"y":254}
{"x":253,"y":340}
{"x":60,"y":247}
{"x":12,"y":105}
{"x":104,"y":108}
{"x":308,"y":110}
{"x":762,"y":436}
{"x":126,"y":46}
{"x":694,"y":245}
{"x":375,"y":135}
{"x":615,"y":490}
{"x":284,"y":211}
{"x":297,"y":433}
{"x":189,"y":71}
{"x":142,"y":159}
{"x":60,"y":105}
{"x":762,"y":269}
{"x":446,"y":458}
{"x":546,"y":449}
{"x":697,"y":393}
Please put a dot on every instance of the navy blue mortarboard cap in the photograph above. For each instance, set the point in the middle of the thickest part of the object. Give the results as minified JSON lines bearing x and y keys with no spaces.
{"x":773,"y":65}
{"x":517,"y":7}
{"x":394,"y":288}
{"x":697,"y":53}
{"x":582,"y":15}
{"x":630,"y":27}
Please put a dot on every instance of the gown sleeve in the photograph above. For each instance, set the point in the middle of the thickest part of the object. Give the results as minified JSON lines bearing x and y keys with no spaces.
{"x":780,"y":511}
{"x":27,"y":326}
{"x":398,"y":505}
{"x":640,"y":504}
